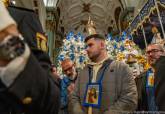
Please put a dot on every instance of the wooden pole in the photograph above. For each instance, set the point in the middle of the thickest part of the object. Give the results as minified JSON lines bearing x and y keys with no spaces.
{"x":144,"y":36}
{"x":90,"y":110}
{"x":142,"y":27}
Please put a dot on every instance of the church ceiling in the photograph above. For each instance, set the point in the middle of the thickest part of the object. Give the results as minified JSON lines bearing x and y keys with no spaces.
{"x":74,"y":14}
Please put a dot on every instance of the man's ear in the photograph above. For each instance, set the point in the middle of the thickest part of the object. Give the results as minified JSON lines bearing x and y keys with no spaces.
{"x":102,"y":44}
{"x":74,"y":64}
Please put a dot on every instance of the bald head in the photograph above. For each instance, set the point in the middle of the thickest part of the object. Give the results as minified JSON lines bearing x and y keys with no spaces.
{"x":154,"y":51}
{"x":156,"y":46}
{"x":68,"y":67}
{"x":66,"y":61}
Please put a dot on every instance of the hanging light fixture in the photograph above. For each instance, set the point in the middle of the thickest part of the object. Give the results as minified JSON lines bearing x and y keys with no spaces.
{"x":50,"y":3}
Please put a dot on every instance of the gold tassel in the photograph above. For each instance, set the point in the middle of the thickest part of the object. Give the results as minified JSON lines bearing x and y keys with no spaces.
{"x":154,"y":29}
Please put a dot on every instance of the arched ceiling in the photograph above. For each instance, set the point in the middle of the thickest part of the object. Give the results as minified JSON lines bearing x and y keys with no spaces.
{"x":74,"y":14}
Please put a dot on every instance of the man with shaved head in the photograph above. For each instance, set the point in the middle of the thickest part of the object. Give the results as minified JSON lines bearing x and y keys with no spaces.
{"x":156,"y":57}
{"x":67,"y":84}
{"x":68,"y":68}
{"x":149,"y":82}
{"x":154,"y":52}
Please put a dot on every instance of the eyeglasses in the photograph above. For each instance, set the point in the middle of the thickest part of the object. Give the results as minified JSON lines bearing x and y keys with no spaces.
{"x":153,"y":51}
{"x":68,"y":69}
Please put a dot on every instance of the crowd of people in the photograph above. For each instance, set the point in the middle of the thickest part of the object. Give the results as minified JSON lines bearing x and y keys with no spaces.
{"x":30,"y":84}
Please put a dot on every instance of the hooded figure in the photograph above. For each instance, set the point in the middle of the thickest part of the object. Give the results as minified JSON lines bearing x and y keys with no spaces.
{"x":26,"y":84}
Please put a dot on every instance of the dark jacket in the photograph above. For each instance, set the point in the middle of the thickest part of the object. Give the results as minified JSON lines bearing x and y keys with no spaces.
{"x":141,"y":88}
{"x":35,"y":83}
{"x":34,"y":91}
{"x":160,"y":83}
{"x":29,"y":25}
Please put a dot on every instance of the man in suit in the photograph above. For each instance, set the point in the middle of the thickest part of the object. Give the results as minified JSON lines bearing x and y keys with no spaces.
{"x":118,"y":92}
{"x":25,"y":84}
